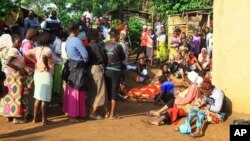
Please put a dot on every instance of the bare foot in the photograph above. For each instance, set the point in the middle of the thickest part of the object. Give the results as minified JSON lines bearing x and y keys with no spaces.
{"x":154,"y":123}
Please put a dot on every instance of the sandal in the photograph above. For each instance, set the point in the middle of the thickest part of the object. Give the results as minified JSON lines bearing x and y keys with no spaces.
{"x":47,"y":122}
{"x":98,"y":117}
{"x":74,"y":120}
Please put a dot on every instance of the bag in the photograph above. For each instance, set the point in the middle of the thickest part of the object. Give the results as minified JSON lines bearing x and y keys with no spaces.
{"x":65,"y":72}
{"x":77,"y":78}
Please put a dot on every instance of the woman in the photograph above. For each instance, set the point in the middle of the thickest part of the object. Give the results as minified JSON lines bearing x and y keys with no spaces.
{"x":211,"y":111}
{"x":192,"y":62}
{"x":74,"y":97}
{"x":97,"y":89}
{"x":182,"y":105}
{"x":197,"y":43}
{"x":27,"y":44}
{"x":204,"y":58}
{"x":161,"y":46}
{"x":14,"y":104}
{"x":124,"y":41}
{"x":43,"y":79}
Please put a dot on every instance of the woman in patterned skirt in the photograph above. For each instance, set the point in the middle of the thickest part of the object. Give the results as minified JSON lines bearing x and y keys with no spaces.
{"x":14,"y":104}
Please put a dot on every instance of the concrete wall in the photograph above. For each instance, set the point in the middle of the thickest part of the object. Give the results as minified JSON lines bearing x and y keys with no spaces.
{"x":231,"y":62}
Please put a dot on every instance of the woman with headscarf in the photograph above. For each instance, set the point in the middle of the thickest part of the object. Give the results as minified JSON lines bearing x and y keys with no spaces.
{"x":203,"y":58}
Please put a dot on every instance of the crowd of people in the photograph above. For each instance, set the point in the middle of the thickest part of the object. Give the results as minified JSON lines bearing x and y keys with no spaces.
{"x":85,"y":66}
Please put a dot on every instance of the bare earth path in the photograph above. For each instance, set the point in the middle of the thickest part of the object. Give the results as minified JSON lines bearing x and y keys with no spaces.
{"x":129,"y":128}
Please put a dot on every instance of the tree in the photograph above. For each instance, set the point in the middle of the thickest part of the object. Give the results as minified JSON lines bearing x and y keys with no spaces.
{"x":7,"y":6}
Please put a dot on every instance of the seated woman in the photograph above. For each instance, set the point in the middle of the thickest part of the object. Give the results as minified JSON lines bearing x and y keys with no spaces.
{"x":192,"y":62}
{"x":212,"y":110}
{"x":204,"y":59}
{"x":182,"y":105}
{"x":148,"y":92}
{"x":142,"y":72}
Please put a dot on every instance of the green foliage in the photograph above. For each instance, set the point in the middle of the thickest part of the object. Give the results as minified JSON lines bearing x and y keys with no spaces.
{"x":6,"y":7}
{"x":114,"y":23}
{"x":135,"y":27}
{"x":166,"y":7}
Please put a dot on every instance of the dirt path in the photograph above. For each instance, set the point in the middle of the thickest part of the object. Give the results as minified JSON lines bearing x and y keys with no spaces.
{"x":129,"y":128}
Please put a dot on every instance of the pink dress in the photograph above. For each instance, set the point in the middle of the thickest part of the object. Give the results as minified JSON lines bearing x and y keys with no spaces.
{"x":74,"y":102}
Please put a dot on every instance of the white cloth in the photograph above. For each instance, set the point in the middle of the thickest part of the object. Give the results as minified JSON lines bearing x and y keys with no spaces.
{"x":218,"y":97}
{"x":195,"y":78}
{"x":209,"y":43}
{"x":64,"y":54}
{"x":162,"y":38}
{"x":88,"y":15}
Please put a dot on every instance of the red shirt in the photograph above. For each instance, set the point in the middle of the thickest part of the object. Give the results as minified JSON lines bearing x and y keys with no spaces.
{"x":144,"y":39}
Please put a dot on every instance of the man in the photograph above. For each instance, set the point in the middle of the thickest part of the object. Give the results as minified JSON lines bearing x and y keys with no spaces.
{"x":52,"y":24}
{"x":115,"y":56}
{"x":209,"y":41}
{"x":214,"y":103}
{"x":88,"y":14}
{"x":31,"y":21}
{"x":157,"y":26}
{"x":143,"y":47}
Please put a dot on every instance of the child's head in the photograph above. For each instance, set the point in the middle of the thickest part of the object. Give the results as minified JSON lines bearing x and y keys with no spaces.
{"x":183,"y":35}
{"x":196,"y":33}
{"x":163,"y":79}
{"x":141,"y":61}
{"x":190,"y":37}
{"x":16,"y":40}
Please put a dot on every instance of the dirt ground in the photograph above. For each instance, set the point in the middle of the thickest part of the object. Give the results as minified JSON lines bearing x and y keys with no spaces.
{"x":129,"y":128}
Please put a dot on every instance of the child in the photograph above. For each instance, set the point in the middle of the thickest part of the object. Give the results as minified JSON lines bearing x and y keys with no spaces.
{"x":3,"y":89}
{"x":142,"y":72}
{"x":43,"y":75}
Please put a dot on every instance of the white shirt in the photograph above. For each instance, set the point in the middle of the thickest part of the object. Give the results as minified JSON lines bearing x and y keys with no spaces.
{"x":88,"y":15}
{"x":218,"y":97}
{"x":209,"y":40}
{"x":64,"y":54}
{"x":162,"y":38}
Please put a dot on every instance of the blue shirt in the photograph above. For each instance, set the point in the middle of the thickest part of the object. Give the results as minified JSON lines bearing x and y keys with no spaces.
{"x":75,"y":49}
{"x":168,"y":87}
{"x":31,"y":23}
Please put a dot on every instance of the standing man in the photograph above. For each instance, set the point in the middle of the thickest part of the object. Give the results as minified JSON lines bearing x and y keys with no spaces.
{"x":115,"y":56}
{"x":209,"y":41}
{"x":144,"y":38}
{"x":52,"y":24}
{"x":31,"y":21}
{"x":157,"y":26}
